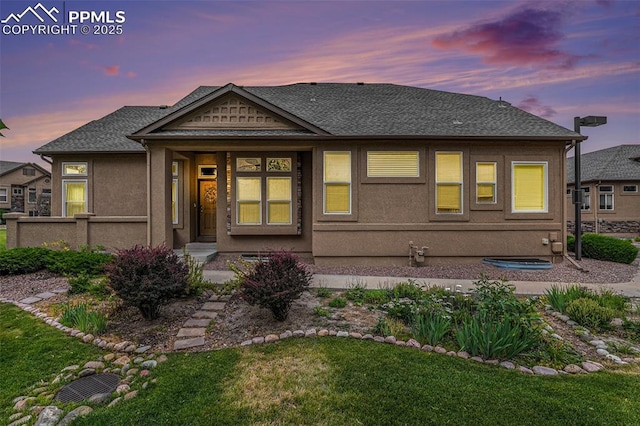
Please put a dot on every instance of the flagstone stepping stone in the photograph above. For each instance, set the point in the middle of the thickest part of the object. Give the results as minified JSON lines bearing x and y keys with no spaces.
{"x":213,"y":306}
{"x":30,"y":300}
{"x":188,"y":343}
{"x":204,"y":314}
{"x":190,"y":332}
{"x":45,"y":295}
{"x":197,"y":322}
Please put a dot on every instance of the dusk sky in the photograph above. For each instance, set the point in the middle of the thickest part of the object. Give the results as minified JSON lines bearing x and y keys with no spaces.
{"x":556,"y":59}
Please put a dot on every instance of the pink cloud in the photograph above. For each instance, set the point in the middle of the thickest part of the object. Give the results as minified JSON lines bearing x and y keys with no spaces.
{"x":525,"y":37}
{"x":131,"y":74}
{"x":111,"y":70}
{"x":532,"y":104}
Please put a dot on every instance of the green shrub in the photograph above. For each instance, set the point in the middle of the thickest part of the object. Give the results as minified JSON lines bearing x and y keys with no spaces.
{"x":571,"y":243}
{"x":377,"y":297}
{"x":401,"y":309}
{"x":489,"y":337}
{"x":323,"y":292}
{"x":430,"y":327}
{"x":589,"y":313}
{"x":69,"y":262}
{"x":409,"y":290}
{"x":497,"y":299}
{"x":275,"y":283}
{"x":22,"y":260}
{"x":84,"y":283}
{"x":356,"y":293}
{"x":338,"y":302}
{"x":601,"y":247}
{"x":321,"y":312}
{"x":617,"y":302}
{"x":559,"y":297}
{"x":79,"y":316}
{"x":391,"y":327}
{"x":148,"y":278}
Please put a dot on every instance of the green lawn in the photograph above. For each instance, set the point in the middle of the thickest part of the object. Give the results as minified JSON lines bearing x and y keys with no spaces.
{"x":328,"y":381}
{"x":3,"y":239}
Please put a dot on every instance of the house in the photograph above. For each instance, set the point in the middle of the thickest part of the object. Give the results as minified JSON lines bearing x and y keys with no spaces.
{"x":24,"y":187}
{"x":611,"y":201}
{"x":365,"y":174}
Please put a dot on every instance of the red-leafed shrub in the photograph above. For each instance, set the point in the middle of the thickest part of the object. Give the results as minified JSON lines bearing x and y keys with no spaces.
{"x":148,"y":277}
{"x":275,"y":282}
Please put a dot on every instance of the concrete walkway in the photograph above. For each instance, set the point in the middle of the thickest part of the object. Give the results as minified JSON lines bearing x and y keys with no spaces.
{"x":631,"y":289}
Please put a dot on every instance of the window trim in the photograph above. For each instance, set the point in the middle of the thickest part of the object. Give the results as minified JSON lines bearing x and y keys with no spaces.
{"x":461,"y":183}
{"x":64,"y":194}
{"x":545,"y":165}
{"x":75,"y":163}
{"x":269,"y":201}
{"x":605,"y":193}
{"x":627,"y":192}
{"x":17,"y":191}
{"x":494,"y":183}
{"x":349,"y":183}
{"x":33,"y":191}
{"x":5,"y":196}
{"x":264,"y":228}
{"x":258,"y":201}
{"x":586,"y":199}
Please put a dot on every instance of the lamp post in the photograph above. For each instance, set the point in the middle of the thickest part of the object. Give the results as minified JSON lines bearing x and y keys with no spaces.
{"x":588,"y":121}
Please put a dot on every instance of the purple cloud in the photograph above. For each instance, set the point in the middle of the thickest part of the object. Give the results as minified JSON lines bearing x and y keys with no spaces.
{"x":532,"y":104}
{"x":525,"y":37}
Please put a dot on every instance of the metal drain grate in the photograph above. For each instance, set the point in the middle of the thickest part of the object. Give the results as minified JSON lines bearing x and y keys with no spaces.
{"x":83,"y":388}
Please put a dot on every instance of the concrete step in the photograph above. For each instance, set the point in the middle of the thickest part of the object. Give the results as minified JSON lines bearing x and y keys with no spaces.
{"x":202,"y":252}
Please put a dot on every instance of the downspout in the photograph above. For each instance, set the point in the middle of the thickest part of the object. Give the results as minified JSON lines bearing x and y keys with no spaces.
{"x":46,"y":160}
{"x":146,"y":148}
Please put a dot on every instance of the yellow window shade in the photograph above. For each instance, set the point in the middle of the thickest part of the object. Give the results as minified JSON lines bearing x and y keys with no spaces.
{"x":337,"y":198}
{"x":485,"y":192}
{"x":392,"y":164}
{"x":529,"y":187}
{"x":248,"y":189}
{"x":486,"y":172}
{"x":278,"y":188}
{"x":449,"y":198}
{"x":248,"y":213}
{"x":279,"y":212}
{"x":174,"y":199}
{"x":448,"y":167}
{"x":337,"y":166}
{"x":75,"y":198}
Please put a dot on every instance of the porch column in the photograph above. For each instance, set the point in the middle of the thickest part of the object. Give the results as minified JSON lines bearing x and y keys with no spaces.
{"x":159,"y":197}
{"x":13,"y":236}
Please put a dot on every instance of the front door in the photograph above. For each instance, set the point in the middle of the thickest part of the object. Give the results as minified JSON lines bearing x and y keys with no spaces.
{"x":207,"y":195}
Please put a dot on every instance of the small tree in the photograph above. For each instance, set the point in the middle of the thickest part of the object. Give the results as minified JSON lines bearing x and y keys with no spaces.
{"x":275,"y":283}
{"x":148,"y":278}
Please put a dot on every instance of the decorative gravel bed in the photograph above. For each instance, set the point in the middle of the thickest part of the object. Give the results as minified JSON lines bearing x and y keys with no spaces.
{"x":598,"y":272}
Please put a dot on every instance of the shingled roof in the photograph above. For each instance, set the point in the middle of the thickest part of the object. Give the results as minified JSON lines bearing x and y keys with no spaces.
{"x":620,"y":163}
{"x":328,"y":110}
{"x":7,"y":166}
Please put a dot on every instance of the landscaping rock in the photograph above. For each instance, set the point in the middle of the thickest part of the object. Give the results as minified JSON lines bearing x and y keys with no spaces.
{"x":83,"y":410}
{"x":286,"y":334}
{"x":401,"y":343}
{"x":298,"y":333}
{"x":342,"y":334}
{"x":525,"y":370}
{"x":96,"y":365}
{"x":463,"y":355}
{"x":257,"y":340}
{"x":508,"y":365}
{"x":87,"y":372}
{"x":100,"y":398}
{"x":592,"y":367}
{"x":114,"y":402}
{"x":573,"y":369}
{"x":246,"y":343}
{"x":188,"y":343}
{"x":427,"y":348}
{"x":50,"y":416}
{"x":123,"y":360}
{"x":323,"y":333}
{"x":476,"y":359}
{"x":142,"y":349}
{"x":411,"y":343}
{"x":359,"y":336}
{"x":310,"y":333}
{"x":23,"y":403}
{"x":439,"y":350}
{"x":162,"y":358}
{"x":388,"y":339}
{"x":271,"y":338}
{"x":131,"y":395}
{"x":21,"y":421}
{"x":122,"y":389}
{"x":544,"y":371}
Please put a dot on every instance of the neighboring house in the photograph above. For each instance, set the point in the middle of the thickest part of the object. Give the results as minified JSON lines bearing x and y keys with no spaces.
{"x":25,"y":187}
{"x":344,"y":173}
{"x":611,"y":182}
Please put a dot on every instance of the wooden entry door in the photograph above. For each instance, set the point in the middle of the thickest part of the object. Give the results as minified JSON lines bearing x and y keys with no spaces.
{"x":207,"y":197}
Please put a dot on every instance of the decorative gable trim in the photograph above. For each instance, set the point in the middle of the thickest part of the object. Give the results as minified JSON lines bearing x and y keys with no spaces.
{"x":231,"y":112}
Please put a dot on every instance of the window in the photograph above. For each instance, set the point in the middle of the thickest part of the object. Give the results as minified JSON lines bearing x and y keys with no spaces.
{"x":449,"y":182}
{"x":279,"y":200}
{"x":529,"y":188}
{"x":586,"y":198}
{"x":606,"y":197}
{"x":486,"y":178}
{"x":337,"y":182}
{"x":3,"y":195}
{"x":630,"y":188}
{"x":31,"y":196}
{"x":393,"y":164}
{"x":174,"y":192}
{"x":74,"y":169}
{"x":16,"y":191}
{"x":249,"y":201}
{"x":28,"y":171}
{"x":74,"y":194}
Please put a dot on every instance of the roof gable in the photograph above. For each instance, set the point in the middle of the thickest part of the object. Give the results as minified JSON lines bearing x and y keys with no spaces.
{"x":231,"y":112}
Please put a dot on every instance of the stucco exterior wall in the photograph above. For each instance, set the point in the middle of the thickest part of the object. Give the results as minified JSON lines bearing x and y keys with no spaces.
{"x":117,"y":183}
{"x":386,"y":216}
